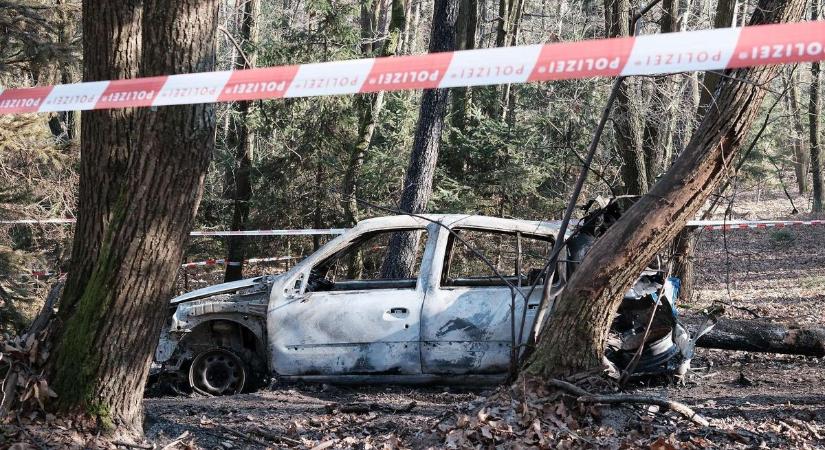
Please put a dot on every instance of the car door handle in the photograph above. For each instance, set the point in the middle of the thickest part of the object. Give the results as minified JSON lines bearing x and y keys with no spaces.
{"x":398,"y":310}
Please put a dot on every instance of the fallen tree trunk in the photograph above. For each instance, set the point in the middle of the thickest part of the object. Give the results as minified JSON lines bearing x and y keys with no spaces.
{"x":760,"y":336}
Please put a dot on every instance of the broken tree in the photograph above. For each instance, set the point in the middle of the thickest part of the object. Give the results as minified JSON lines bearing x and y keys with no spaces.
{"x":583,"y":314}
{"x":761,"y":336}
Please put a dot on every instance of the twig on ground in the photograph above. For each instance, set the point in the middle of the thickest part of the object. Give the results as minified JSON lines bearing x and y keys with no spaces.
{"x":275,"y":436}
{"x":585,"y":397}
{"x":243,"y":435}
{"x":569,"y":387}
{"x":673,"y":405}
{"x":176,"y":441}
{"x":130,"y":445}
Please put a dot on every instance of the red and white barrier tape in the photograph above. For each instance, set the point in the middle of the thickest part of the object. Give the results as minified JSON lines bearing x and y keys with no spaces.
{"x":715,"y":225}
{"x":221,"y":262}
{"x":644,"y":55}
{"x":37,"y":221}
{"x":295,"y":232}
{"x":208,"y":262}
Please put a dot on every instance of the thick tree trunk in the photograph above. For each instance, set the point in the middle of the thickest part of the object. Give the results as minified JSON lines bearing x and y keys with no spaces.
{"x":241,"y":136}
{"x":760,"y":336}
{"x":102,"y":357}
{"x":586,"y":307}
{"x":626,"y":121}
{"x":814,"y":117}
{"x":111,"y":51}
{"x":418,"y":181}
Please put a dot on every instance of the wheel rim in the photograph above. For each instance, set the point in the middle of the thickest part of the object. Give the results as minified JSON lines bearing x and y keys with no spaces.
{"x":217,"y":372}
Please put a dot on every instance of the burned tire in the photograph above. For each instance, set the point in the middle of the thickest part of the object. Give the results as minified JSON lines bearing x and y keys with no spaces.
{"x":217,"y":372}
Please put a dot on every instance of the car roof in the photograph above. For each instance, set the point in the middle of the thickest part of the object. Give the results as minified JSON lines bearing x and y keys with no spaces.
{"x":542,"y":228}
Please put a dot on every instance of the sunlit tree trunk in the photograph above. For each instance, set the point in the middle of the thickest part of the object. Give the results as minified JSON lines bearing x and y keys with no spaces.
{"x":112,"y":317}
{"x":369,"y":105}
{"x":574,"y":337}
{"x":814,"y":119}
{"x":418,"y":180}
{"x":800,"y":155}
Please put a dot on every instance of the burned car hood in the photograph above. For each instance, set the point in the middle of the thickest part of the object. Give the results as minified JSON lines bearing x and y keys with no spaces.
{"x":225,"y":288}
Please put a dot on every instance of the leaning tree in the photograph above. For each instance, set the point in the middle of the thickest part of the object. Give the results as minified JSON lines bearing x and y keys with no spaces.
{"x":573,"y":338}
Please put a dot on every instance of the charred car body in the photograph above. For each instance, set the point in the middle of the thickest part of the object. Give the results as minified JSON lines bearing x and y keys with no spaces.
{"x":333,"y":317}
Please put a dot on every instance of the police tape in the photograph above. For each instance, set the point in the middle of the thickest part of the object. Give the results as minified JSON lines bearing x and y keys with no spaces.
{"x":221,"y":262}
{"x":716,"y":49}
{"x":189,"y":265}
{"x":717,"y":225}
{"x":293,"y":232}
{"x":37,"y":221}
{"x":285,"y":232}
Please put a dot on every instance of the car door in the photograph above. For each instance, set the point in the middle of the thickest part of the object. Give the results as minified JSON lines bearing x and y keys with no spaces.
{"x":354,"y":324}
{"x":466,"y":320}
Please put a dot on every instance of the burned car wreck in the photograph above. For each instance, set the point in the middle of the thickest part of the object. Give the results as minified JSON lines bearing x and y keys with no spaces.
{"x":334,"y":318}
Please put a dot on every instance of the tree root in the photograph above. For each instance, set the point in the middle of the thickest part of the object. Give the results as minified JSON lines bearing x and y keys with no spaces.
{"x":585,"y":397}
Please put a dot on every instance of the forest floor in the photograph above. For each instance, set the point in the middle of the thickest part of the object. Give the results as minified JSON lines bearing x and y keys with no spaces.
{"x":751,"y":400}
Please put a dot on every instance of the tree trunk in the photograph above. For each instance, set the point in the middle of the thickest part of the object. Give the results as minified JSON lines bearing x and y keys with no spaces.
{"x":800,"y":156}
{"x":724,"y":18}
{"x":760,"y":336}
{"x":586,"y":307}
{"x":626,"y":121}
{"x":241,"y":136}
{"x":684,"y":249}
{"x":102,"y":357}
{"x":369,"y":107}
{"x":418,"y":181}
{"x":111,"y":51}
{"x":657,"y":137}
{"x":684,"y":246}
{"x":814,"y":117}
{"x":508,"y":94}
{"x":465,"y":40}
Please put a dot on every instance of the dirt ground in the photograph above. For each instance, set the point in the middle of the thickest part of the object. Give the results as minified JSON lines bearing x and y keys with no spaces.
{"x":751,"y":400}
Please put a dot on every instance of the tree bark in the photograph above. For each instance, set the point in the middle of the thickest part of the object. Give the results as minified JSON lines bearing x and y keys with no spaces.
{"x":814,"y":117}
{"x":657,"y":137}
{"x":626,"y":121}
{"x":800,"y":156}
{"x":418,"y":181}
{"x":684,"y":246}
{"x":111,"y":51}
{"x":724,"y":18}
{"x":369,"y":107}
{"x":241,"y":136}
{"x":102,"y":357}
{"x":586,"y":307}
{"x":761,"y":336}
{"x":465,"y":39}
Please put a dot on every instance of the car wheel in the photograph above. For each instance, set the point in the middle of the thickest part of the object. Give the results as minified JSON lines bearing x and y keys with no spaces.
{"x":217,"y":372}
